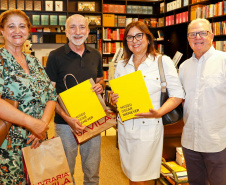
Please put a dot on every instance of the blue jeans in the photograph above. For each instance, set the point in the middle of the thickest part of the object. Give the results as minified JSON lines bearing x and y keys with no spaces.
{"x":89,"y":151}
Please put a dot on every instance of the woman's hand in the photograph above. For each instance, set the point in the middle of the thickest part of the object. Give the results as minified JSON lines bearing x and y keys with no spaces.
{"x":75,"y":124}
{"x":114,"y":97}
{"x":98,"y":88}
{"x":151,"y":114}
{"x":35,"y":141}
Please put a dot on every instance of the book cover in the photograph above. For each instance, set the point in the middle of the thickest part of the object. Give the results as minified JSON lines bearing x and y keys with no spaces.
{"x":105,"y":8}
{"x":86,"y":6}
{"x":49,"y":5}
{"x":121,"y":21}
{"x":29,"y":5}
{"x":44,"y":19}
{"x":93,"y":20}
{"x":58,"y":5}
{"x":36,"y":19}
{"x":177,"y":58}
{"x":133,"y":95}
{"x":62,"y":19}
{"x":4,"y":5}
{"x":12,"y":4}
{"x":91,"y":106}
{"x":175,"y":167}
{"x":53,"y":19}
{"x":108,"y":20}
{"x":37,"y":5}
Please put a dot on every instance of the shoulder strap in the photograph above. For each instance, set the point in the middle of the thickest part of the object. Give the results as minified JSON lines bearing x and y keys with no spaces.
{"x":162,"y":75}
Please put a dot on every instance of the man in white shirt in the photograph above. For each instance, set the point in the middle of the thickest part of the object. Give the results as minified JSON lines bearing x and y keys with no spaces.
{"x":204,"y":134}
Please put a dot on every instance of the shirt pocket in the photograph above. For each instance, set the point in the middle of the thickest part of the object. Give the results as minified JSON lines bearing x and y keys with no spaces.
{"x":215,"y":80}
{"x":152,"y":82}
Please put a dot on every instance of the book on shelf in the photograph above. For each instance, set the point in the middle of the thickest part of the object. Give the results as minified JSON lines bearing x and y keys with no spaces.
{"x":44,"y":19}
{"x":93,"y":20}
{"x":36,"y":19}
{"x":105,"y":8}
{"x":62,"y":20}
{"x":162,"y":7}
{"x":133,"y":95}
{"x":37,"y":5}
{"x":12,"y":4}
{"x":58,"y":5}
{"x":4,"y":5}
{"x":129,"y":9}
{"x":160,"y":35}
{"x":91,"y":106}
{"x":108,"y":20}
{"x":86,"y":6}
{"x":53,"y":19}
{"x":177,"y":58}
{"x":49,"y":5}
{"x":121,"y":21}
{"x":28,"y":5}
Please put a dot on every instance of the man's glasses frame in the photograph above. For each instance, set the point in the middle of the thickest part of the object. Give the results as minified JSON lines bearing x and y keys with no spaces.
{"x":193,"y":35}
{"x":138,"y":37}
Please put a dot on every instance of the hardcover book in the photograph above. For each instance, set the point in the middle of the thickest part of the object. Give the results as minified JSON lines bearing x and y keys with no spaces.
{"x":62,"y":20}
{"x":36,"y":19}
{"x":91,"y":106}
{"x":53,"y":19}
{"x":58,"y":5}
{"x":37,"y":5}
{"x":93,"y":20}
{"x":4,"y":5}
{"x":44,"y":19}
{"x":29,"y":5}
{"x":86,"y":6}
{"x":49,"y":5}
{"x":12,"y":4}
{"x":108,"y":20}
{"x":133,"y":95}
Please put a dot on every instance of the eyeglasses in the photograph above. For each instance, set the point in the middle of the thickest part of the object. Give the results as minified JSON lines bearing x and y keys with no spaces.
{"x":138,"y":37}
{"x":202,"y":34}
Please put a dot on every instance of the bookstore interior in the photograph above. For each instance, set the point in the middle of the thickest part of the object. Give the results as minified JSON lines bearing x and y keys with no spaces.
{"x":166,"y":19}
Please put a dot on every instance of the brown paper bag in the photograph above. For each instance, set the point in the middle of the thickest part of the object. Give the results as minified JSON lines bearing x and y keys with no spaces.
{"x":95,"y":128}
{"x":47,"y":164}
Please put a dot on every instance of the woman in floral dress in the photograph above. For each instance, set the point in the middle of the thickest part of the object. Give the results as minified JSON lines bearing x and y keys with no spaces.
{"x":22,"y":78}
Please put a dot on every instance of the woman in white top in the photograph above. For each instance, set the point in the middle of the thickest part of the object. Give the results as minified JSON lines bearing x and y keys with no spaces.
{"x":141,"y":139}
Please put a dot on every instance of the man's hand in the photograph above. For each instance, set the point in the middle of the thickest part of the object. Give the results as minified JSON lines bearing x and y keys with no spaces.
{"x":75,"y":124}
{"x":97,"y":88}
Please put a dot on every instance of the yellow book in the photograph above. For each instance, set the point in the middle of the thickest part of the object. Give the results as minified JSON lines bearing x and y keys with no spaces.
{"x":175,"y":167}
{"x":164,"y":170}
{"x":82,"y":103}
{"x":108,"y":20}
{"x":133,"y":95}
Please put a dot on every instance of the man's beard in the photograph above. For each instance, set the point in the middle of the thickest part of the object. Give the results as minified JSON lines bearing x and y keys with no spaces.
{"x":78,"y":42}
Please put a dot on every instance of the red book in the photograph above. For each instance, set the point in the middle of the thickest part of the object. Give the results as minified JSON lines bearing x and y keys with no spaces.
{"x":113,"y":49}
{"x":111,"y":8}
{"x":105,"y":7}
{"x":116,"y":9}
{"x":121,"y":8}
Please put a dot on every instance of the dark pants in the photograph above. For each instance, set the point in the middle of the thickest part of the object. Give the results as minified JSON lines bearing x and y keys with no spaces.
{"x":205,"y":168}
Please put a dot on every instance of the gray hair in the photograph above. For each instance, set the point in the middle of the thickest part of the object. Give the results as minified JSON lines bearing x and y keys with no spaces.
{"x":76,"y":15}
{"x":205,"y":21}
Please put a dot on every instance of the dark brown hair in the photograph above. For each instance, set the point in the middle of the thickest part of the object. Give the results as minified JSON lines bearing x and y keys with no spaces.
{"x":5,"y":15}
{"x":144,"y":29}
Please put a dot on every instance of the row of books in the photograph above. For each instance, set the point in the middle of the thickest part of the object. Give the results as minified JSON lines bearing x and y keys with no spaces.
{"x":48,"y":20}
{"x":112,"y":20}
{"x":109,"y":48}
{"x":105,"y":75}
{"x":106,"y":60}
{"x":180,"y":18}
{"x":31,"y":5}
{"x":137,"y":9}
{"x":206,"y":11}
{"x":42,"y":38}
{"x":219,"y":28}
{"x":220,"y":45}
{"x":160,"y":48}
{"x":173,"y":5}
{"x":113,"y":34}
{"x":114,"y":8}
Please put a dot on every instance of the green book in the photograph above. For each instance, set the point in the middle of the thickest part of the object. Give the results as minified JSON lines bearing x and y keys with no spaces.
{"x":36,"y":19}
{"x":44,"y":19}
{"x":53,"y":19}
{"x":62,"y":19}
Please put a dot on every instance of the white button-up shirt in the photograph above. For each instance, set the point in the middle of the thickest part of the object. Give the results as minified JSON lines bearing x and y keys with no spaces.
{"x":204,"y":82}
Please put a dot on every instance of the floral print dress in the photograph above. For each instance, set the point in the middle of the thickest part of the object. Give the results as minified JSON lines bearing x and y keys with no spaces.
{"x":32,"y":91}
